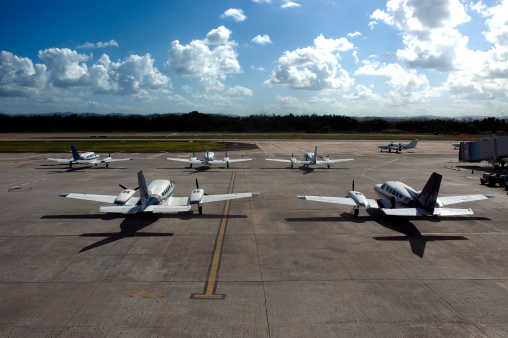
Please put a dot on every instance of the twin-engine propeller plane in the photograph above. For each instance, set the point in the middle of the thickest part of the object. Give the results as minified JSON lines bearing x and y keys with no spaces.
{"x":310,"y":158}
{"x":157,"y":197}
{"x":398,"y":146}
{"x":209,"y":158}
{"x":86,"y":158}
{"x":399,"y":199}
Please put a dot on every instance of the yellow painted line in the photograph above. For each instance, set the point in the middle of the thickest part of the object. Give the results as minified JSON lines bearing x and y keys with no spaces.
{"x":211,"y":283}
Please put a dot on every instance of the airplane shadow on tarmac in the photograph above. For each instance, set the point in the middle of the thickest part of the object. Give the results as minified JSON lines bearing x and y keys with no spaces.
{"x":416,"y":240}
{"x":131,"y":225}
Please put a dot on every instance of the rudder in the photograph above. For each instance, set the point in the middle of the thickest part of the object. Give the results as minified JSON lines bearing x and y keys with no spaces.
{"x":75,"y":154}
{"x":428,"y":196}
{"x":143,"y":190}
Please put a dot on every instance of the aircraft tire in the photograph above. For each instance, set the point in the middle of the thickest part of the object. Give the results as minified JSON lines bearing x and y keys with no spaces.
{"x":190,"y":166}
{"x":356,"y":212}
{"x":200,"y":209}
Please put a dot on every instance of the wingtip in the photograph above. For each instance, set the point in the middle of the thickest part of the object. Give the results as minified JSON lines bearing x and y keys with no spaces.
{"x":300,"y":197}
{"x":489,"y":195}
{"x":254,"y":194}
{"x":64,"y":194}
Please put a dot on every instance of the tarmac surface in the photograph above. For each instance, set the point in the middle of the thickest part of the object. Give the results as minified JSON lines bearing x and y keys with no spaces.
{"x":268,"y":266}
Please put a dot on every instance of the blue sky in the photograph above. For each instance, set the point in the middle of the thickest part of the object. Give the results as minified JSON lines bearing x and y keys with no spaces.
{"x":347,"y":57}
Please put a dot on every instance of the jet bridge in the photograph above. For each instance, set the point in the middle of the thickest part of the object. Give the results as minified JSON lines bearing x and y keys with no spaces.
{"x":494,"y":150}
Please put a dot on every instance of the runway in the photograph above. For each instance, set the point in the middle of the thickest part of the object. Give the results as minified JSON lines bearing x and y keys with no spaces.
{"x":285,"y":267}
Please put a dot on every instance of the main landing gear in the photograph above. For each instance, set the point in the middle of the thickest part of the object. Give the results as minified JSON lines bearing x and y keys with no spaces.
{"x":200,"y":209}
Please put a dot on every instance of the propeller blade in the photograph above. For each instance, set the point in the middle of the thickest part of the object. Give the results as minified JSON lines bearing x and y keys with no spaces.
{"x":353,"y":185}
{"x":197,"y":184}
{"x":121,"y":186}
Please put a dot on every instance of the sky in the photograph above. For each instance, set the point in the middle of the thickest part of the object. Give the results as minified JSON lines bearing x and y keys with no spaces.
{"x":397,"y":58}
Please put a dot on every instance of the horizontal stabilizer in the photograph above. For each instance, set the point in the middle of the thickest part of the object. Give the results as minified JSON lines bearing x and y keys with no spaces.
{"x":406,"y":212}
{"x":124,"y":209}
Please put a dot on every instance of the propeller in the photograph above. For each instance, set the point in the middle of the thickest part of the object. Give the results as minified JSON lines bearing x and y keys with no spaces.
{"x":197,"y":186}
{"x":353,"y":185}
{"x":125,"y":188}
{"x":323,"y":157}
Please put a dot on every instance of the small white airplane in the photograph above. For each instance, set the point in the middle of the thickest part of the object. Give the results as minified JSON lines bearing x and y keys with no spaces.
{"x":399,"y":199}
{"x":398,"y":146}
{"x":209,"y":158}
{"x":87,"y":158}
{"x":157,"y":197}
{"x":310,"y":158}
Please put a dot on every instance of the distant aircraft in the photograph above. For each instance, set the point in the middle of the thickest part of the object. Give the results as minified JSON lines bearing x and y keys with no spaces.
{"x":456,"y":145}
{"x":209,"y":158}
{"x":399,"y":199}
{"x":310,"y":158}
{"x":398,"y":146}
{"x":87,"y":158}
{"x":157,"y":197}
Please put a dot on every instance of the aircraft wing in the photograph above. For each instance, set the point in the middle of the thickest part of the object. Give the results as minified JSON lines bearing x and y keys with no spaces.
{"x":334,"y":161}
{"x":223,"y":197}
{"x":61,"y":160}
{"x":278,"y":160}
{"x":328,"y":199}
{"x":177,"y":201}
{"x":156,"y":209}
{"x":452,"y":211}
{"x":106,"y":160}
{"x":190,"y":161}
{"x":423,"y":212}
{"x":240,"y":160}
{"x":464,"y":198}
{"x":91,"y":197}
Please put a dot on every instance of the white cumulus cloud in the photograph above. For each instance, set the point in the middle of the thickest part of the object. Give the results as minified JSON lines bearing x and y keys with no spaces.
{"x":235,"y":14}
{"x":262,"y":40}
{"x":89,"y":45}
{"x":19,"y":77}
{"x":313,"y":68}
{"x":197,"y":59}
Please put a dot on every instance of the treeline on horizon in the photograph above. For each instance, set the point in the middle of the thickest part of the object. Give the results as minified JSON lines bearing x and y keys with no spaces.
{"x":199,"y":122}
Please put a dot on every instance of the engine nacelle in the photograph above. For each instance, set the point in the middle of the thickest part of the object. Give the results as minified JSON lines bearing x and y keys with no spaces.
{"x":124,"y":196}
{"x":196,"y":196}
{"x":359,"y":198}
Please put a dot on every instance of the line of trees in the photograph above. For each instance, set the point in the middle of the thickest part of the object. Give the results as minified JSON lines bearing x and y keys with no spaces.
{"x":198,"y":122}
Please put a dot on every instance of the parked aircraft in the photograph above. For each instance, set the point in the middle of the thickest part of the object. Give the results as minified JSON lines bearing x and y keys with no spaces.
{"x":86,"y":158}
{"x":398,"y":146}
{"x":310,"y":158}
{"x":157,"y":197}
{"x":399,"y":199}
{"x":209,"y":158}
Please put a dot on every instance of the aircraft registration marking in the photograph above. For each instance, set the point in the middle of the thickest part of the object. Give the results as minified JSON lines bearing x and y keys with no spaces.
{"x":213,"y":272}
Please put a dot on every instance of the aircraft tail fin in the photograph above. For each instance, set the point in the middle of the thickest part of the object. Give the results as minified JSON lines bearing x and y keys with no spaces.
{"x":143,"y":190}
{"x":428,"y":196}
{"x":412,"y":144}
{"x":75,"y":154}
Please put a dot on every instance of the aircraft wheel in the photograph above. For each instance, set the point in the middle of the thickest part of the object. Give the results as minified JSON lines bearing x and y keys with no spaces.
{"x":291,"y":165}
{"x":190,"y":166}
{"x":200,"y":209}
{"x":356,"y":212}
{"x":107,"y":165}
{"x":227,"y":164}
{"x":328,"y":166}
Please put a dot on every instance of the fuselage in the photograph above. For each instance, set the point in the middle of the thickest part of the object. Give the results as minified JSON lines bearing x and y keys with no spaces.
{"x":396,"y":194}
{"x":89,"y":155}
{"x":209,"y":156}
{"x":159,"y":191}
{"x":310,"y":157}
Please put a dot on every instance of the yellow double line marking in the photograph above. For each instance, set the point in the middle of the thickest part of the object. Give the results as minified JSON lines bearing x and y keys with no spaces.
{"x":213,"y":271}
